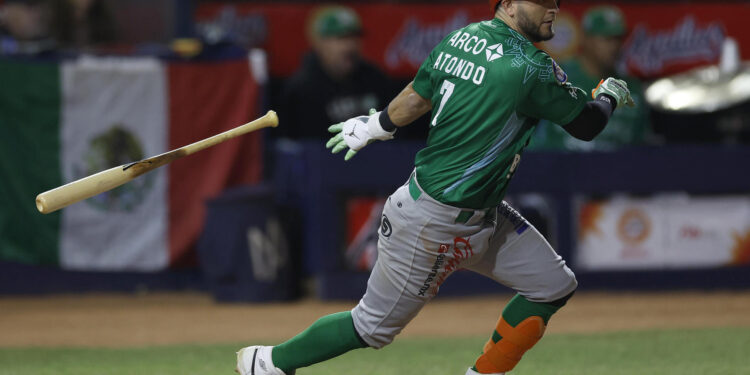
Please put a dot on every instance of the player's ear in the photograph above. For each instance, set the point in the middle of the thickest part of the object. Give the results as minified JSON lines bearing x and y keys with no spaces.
{"x":508,"y":6}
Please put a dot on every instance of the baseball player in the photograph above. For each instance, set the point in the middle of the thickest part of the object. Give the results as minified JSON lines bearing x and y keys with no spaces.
{"x":487,"y":86}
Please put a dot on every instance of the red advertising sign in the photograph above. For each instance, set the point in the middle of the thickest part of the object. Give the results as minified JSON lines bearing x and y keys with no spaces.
{"x":665,"y":38}
{"x":363,"y":221}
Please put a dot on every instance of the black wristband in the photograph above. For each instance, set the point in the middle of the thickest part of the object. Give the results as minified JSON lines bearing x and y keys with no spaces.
{"x":385,"y":121}
{"x":608,"y":99}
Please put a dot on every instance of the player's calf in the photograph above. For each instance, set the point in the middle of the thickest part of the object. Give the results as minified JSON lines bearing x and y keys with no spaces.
{"x":330,"y":336}
{"x":520,"y":327}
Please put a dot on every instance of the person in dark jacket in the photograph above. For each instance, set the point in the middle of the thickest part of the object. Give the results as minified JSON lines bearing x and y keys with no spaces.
{"x":334,"y":82}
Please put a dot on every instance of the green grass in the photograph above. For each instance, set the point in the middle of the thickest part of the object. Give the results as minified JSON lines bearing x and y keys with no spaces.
{"x":704,"y":351}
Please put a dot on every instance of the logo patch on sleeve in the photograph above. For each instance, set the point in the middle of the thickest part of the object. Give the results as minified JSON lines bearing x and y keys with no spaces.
{"x":560,"y":76}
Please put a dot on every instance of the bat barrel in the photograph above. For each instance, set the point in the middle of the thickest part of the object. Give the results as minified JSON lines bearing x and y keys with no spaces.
{"x":87,"y":187}
{"x":50,"y":201}
{"x":41,"y":204}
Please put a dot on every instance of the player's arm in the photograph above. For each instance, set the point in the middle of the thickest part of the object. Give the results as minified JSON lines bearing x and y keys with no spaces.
{"x":360,"y":131}
{"x":411,"y":103}
{"x":560,"y":102}
{"x":596,"y":113}
{"x":592,"y":119}
{"x":405,"y":108}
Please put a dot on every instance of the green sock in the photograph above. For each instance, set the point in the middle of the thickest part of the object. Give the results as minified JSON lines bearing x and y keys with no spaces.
{"x":330,"y":336}
{"x":519,"y":308}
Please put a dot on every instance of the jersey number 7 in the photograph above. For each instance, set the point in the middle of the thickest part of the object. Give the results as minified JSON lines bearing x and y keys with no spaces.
{"x":446,"y":90}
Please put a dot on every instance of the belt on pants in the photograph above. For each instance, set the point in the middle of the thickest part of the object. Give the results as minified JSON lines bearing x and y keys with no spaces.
{"x":463,"y":216}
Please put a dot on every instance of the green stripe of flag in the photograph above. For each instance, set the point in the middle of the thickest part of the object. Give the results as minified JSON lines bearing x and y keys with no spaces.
{"x":29,"y":160}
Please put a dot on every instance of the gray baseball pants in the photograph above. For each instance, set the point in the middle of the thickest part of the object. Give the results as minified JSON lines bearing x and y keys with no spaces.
{"x":422,"y":241}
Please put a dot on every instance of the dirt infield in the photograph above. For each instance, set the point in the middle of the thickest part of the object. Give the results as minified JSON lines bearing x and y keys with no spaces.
{"x":187,"y":318}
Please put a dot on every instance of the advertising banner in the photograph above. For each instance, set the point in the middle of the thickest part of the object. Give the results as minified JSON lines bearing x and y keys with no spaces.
{"x":666,"y":232}
{"x":664,"y":38}
{"x":363,"y":214}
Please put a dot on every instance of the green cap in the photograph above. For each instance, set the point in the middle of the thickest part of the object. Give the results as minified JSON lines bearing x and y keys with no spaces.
{"x":605,"y":21}
{"x":336,"y":21}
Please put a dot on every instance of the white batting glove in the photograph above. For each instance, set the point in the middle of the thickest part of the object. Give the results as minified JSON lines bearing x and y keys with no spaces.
{"x":617,"y":89}
{"x":357,"y":132}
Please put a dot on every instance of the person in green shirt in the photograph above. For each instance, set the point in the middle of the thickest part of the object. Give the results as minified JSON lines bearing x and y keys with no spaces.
{"x":487,"y":86}
{"x":604,"y":30}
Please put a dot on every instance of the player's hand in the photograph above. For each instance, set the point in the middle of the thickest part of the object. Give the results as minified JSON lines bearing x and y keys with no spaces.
{"x":356,"y":133}
{"x":617,"y":89}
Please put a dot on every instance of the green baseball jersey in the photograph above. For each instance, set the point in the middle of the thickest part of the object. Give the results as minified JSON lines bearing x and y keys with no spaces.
{"x":489,"y":87}
{"x":627,"y":126}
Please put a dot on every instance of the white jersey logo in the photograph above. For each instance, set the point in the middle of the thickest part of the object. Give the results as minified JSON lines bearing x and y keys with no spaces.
{"x":494,"y":52}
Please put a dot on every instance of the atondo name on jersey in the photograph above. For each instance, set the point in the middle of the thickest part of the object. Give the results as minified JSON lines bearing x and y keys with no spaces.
{"x":461,"y":68}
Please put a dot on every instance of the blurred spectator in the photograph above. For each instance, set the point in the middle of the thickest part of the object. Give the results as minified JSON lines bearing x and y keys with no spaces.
{"x":604,"y":32}
{"x":24,"y":27}
{"x":34,"y":26}
{"x":23,"y":20}
{"x":82,"y":23}
{"x":334,"y":82}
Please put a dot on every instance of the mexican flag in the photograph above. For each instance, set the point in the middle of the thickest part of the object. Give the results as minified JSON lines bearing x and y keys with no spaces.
{"x":63,"y":121}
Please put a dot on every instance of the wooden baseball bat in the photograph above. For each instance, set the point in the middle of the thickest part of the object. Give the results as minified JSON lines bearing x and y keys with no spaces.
{"x":87,"y":187}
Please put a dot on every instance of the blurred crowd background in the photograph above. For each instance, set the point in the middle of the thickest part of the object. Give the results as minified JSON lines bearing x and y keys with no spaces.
{"x":599,"y":44}
{"x":663,"y":190}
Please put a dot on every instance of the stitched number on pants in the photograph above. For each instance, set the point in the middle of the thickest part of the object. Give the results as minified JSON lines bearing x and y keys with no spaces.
{"x":446,"y":91}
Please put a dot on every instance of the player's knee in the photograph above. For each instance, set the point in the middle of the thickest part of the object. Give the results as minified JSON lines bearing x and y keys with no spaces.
{"x":570,"y":284}
{"x":372,"y":329}
{"x":558,"y":287}
{"x":377,"y":339}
